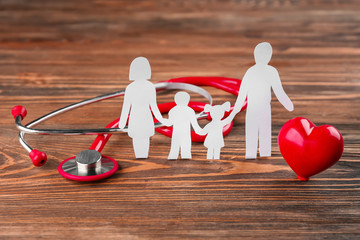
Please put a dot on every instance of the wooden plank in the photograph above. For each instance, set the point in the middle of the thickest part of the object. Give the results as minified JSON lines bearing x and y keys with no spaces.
{"x":55,"y":53}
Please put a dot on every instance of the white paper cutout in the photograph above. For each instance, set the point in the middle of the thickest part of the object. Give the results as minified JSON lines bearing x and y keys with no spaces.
{"x":181,"y":117}
{"x":214,"y":140}
{"x":140,"y":97}
{"x":256,"y":86}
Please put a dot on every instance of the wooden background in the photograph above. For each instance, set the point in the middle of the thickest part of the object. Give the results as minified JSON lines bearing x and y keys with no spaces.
{"x":53,"y":53}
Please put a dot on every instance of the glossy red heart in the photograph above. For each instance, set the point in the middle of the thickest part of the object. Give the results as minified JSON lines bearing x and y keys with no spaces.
{"x":309,"y":149}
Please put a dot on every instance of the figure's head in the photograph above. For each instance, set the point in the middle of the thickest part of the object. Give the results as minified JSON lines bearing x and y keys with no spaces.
{"x":182,"y":98}
{"x":140,"y":69}
{"x":217,"y":112}
{"x":263,"y":53}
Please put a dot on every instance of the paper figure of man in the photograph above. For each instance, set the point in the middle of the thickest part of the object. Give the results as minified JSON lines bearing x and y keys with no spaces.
{"x":182,"y":117}
{"x":139,"y":101}
{"x":256,"y":86}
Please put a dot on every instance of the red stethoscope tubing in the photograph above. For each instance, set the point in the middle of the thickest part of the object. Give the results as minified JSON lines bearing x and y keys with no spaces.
{"x":230,"y":85}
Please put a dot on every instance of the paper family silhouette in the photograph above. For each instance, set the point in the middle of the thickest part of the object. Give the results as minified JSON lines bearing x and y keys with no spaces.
{"x":140,"y":105}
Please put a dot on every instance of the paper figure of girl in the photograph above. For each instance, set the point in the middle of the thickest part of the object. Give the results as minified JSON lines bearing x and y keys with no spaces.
{"x":182,"y":117}
{"x":214,"y":140}
{"x":139,"y":101}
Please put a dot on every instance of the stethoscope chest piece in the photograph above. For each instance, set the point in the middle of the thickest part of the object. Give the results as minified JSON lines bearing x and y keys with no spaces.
{"x":88,"y":165}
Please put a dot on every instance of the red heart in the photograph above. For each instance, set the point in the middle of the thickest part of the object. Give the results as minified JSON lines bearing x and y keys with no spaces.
{"x":309,"y":149}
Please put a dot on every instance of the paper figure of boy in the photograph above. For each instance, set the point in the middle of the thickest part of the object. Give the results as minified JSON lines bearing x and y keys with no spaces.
{"x":181,"y":117}
{"x":139,"y":101}
{"x":214,"y":140}
{"x":256,"y":86}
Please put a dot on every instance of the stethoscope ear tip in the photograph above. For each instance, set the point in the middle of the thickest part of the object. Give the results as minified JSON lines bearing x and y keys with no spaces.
{"x":19,"y":111}
{"x":38,"y":158}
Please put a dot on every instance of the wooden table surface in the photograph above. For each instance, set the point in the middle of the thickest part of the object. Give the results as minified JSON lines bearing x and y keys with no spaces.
{"x":53,"y":53}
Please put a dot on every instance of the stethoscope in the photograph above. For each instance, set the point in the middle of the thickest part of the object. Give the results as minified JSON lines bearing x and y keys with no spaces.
{"x":90,"y":165}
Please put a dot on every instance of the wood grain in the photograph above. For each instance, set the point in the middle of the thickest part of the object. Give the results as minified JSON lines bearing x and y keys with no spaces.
{"x":53,"y":53}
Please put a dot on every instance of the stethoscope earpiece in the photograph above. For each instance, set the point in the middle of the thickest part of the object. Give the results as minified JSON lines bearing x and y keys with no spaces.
{"x":88,"y":166}
{"x":38,"y":158}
